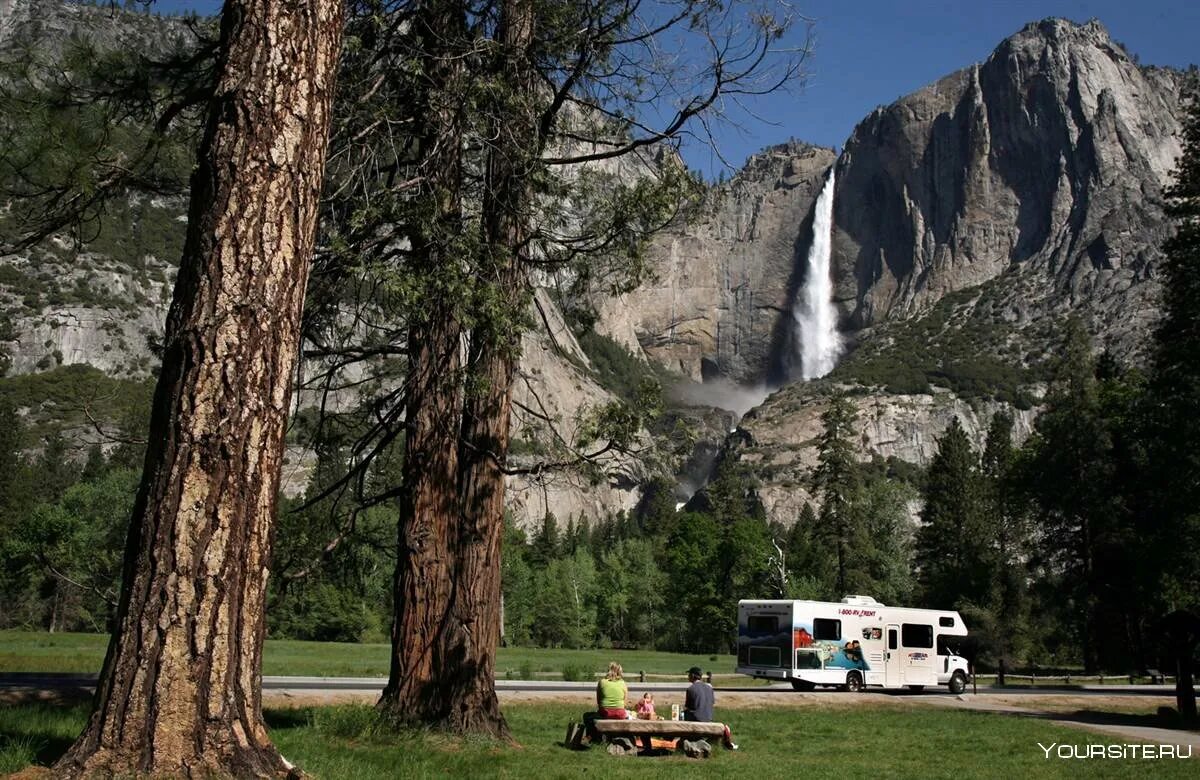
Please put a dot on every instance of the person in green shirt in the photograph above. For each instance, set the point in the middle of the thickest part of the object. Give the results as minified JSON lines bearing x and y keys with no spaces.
{"x":612,"y":695}
{"x":612,"y":699}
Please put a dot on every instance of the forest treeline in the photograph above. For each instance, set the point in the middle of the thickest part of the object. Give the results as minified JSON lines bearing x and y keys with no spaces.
{"x":1053,"y":550}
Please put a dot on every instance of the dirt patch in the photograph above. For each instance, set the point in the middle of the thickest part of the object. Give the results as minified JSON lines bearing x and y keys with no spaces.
{"x":287,"y":700}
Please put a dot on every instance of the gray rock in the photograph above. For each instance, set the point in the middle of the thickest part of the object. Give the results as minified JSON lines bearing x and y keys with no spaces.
{"x":1048,"y":160}
{"x":724,"y":283}
{"x":779,"y":438}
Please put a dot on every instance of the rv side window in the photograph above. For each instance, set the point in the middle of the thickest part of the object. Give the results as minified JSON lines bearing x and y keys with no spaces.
{"x":946,"y":622}
{"x":916,"y":635}
{"x":824,"y":628}
{"x":891,"y":639}
{"x":762,"y":624}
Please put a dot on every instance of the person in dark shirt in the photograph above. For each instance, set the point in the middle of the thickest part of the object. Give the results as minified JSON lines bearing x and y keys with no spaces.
{"x":698,"y":703}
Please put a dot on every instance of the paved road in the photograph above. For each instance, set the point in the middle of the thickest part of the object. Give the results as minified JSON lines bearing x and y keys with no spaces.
{"x":332,"y":685}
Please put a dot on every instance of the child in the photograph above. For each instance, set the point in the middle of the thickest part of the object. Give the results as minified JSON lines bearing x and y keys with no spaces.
{"x":645,"y":708}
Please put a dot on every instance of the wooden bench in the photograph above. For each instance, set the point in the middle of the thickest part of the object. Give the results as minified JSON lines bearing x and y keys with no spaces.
{"x":663,"y":729}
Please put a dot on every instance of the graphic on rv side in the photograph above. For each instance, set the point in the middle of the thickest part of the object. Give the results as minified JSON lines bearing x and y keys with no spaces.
{"x":831,"y":654}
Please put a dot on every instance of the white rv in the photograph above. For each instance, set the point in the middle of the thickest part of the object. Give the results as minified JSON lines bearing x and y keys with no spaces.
{"x":851,"y":644}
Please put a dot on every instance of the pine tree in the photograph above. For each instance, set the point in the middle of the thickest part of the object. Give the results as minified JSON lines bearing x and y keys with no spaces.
{"x":952,"y":542}
{"x":16,"y":492}
{"x":1072,"y":477}
{"x":1174,"y":407}
{"x":1007,"y":604}
{"x":812,"y":570}
{"x":546,"y":545}
{"x":54,"y":471}
{"x":517,"y":586}
{"x":184,"y":699}
{"x":837,"y":480}
{"x":95,"y":465}
{"x":881,"y":557}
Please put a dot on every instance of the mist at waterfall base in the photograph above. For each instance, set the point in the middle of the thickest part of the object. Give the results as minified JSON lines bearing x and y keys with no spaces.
{"x":816,"y":343}
{"x":723,"y":394}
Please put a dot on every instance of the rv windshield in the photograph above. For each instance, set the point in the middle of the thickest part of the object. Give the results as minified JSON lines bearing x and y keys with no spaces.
{"x":948,"y":645}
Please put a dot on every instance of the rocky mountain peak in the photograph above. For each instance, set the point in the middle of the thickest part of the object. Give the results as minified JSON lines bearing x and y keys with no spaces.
{"x":1044,"y":163}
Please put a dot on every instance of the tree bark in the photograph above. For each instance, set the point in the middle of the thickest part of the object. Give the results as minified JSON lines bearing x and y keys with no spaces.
{"x":415,"y":692}
{"x":180,"y":690}
{"x":474,"y":627}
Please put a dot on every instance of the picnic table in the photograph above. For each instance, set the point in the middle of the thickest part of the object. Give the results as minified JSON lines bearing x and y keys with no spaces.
{"x":662,"y":729}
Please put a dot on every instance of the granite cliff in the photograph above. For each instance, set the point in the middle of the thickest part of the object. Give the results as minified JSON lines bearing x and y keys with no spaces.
{"x":1043,"y":166}
{"x":718,"y":305}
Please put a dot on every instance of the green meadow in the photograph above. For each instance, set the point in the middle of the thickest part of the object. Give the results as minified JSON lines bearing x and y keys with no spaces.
{"x":31,"y":651}
{"x":837,"y":742}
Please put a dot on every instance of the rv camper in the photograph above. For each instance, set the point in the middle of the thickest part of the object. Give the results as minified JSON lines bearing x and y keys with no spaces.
{"x":851,"y":644}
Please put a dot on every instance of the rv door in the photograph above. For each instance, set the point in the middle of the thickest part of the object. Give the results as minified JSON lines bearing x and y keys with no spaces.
{"x":893,"y":672}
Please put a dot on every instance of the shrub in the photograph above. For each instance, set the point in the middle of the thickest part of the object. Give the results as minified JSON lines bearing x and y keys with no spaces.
{"x":617,"y":369}
{"x":322,"y":614}
{"x":574,"y":673}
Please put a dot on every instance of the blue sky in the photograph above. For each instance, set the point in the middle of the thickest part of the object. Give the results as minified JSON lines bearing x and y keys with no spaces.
{"x":870,"y":52}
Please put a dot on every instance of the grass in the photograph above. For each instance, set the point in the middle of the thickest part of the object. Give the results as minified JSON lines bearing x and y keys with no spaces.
{"x":868,"y":742}
{"x":31,"y":651}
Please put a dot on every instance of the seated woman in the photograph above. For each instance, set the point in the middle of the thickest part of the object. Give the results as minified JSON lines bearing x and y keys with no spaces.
{"x":612,"y":700}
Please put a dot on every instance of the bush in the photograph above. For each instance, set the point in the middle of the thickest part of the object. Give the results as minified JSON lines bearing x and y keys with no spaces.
{"x":525,"y":670}
{"x":574,"y":673}
{"x":320,"y":614}
{"x":617,"y":369}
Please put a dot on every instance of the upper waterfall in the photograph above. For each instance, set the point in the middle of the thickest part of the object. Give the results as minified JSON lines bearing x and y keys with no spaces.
{"x":815,"y":319}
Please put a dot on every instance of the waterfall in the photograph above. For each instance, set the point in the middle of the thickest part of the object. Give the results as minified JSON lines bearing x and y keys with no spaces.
{"x":816,"y":336}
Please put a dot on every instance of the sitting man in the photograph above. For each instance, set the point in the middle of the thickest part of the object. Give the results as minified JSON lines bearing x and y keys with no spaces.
{"x":698,"y":703}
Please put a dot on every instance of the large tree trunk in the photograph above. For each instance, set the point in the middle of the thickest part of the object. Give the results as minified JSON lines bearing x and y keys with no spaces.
{"x":415,"y":691}
{"x":179,"y":694}
{"x":474,"y":627}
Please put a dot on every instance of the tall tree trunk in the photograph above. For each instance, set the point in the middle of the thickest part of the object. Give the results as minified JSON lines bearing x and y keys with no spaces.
{"x":180,"y":693}
{"x":415,"y":691}
{"x":475,"y":622}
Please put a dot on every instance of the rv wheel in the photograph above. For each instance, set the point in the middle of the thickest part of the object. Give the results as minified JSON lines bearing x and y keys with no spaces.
{"x":854,"y":682}
{"x":958,"y":683}
{"x":803,"y":685}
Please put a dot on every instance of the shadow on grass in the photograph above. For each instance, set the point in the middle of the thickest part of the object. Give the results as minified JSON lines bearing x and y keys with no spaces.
{"x":36,"y":728}
{"x":288,"y":718}
{"x":1144,"y":720}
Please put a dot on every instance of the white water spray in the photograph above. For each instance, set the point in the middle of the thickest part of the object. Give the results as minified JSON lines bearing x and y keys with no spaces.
{"x":816,"y":334}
